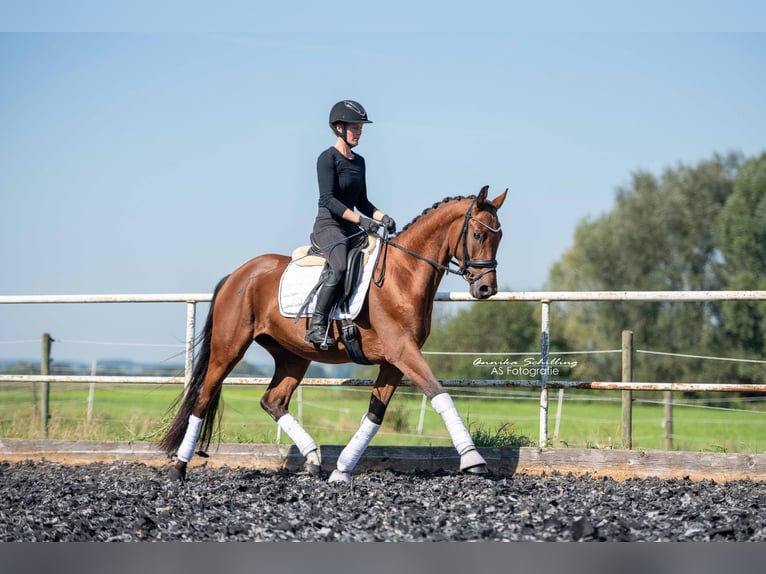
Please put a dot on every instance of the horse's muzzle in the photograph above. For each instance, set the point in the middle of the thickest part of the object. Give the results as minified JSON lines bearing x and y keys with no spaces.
{"x":482,"y":290}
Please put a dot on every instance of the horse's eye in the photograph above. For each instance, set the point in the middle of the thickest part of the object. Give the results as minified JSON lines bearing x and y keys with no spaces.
{"x":477,"y":236}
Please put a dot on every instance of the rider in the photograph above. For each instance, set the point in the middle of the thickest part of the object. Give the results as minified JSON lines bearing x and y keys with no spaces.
{"x":342,"y":189}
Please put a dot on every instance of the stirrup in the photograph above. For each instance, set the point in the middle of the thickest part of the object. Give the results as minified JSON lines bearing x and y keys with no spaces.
{"x":319,"y":335}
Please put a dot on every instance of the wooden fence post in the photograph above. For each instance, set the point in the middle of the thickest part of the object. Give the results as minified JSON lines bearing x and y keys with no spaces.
{"x":627,"y":396}
{"x":45,"y":366}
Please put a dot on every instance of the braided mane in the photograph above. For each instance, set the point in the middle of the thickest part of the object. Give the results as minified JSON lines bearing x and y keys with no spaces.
{"x":435,"y":206}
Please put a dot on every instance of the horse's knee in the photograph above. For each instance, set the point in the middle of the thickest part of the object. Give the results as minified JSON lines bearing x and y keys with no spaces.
{"x":275,"y":409}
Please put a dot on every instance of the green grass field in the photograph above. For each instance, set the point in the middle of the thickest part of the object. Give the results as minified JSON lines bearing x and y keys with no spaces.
{"x":588,"y":419}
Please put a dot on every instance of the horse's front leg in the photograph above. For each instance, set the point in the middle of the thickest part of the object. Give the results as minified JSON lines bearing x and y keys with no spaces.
{"x":412,"y":364}
{"x":386,"y":383}
{"x":470,"y":459}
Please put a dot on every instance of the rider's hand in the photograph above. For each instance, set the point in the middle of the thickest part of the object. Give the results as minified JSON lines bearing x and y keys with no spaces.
{"x":369,"y":225}
{"x":389,"y":224}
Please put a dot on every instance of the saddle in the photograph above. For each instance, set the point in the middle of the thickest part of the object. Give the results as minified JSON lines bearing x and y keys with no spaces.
{"x":307,"y":271}
{"x":358,"y":256}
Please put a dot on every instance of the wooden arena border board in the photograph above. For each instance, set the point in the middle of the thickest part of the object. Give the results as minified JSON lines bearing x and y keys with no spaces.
{"x":617,"y":464}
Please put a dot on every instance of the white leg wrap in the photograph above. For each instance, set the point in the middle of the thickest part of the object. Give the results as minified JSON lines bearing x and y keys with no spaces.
{"x":297,"y":433}
{"x":186,"y":450}
{"x":462,"y":440}
{"x":354,"y":449}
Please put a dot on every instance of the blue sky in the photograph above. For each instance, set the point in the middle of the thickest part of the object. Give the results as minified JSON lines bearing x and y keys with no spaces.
{"x":140,"y":160}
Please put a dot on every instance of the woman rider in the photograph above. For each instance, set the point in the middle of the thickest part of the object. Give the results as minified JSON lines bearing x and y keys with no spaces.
{"x":342,"y":189}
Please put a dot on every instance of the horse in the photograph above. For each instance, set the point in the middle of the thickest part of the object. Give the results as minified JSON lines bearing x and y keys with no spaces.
{"x":458,"y":235}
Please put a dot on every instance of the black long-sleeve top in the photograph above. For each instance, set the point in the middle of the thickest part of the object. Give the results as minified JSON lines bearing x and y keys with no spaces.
{"x":342,"y":183}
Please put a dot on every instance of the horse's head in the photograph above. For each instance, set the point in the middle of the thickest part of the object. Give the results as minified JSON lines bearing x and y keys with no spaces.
{"x":476,"y":246}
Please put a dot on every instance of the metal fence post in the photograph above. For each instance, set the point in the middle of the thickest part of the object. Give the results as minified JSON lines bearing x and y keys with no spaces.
{"x":545,"y":328}
{"x":91,"y":393}
{"x":668,"y":422}
{"x":191,"y":311}
{"x":627,"y":396}
{"x":422,"y":417}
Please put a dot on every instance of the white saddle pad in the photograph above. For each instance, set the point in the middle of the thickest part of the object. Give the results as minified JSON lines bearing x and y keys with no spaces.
{"x":299,"y":278}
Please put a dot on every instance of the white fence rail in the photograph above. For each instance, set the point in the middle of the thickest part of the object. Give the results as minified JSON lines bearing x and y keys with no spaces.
{"x":545,"y":298}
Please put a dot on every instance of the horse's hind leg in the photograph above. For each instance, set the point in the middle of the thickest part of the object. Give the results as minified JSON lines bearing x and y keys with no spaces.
{"x":388,"y":380}
{"x":196,"y":417}
{"x":203,"y":412}
{"x":289,"y":370}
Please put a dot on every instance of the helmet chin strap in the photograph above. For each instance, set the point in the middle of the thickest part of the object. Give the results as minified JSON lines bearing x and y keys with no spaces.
{"x":343,"y":136}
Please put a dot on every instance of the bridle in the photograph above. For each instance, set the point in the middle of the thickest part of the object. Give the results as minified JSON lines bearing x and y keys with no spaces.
{"x":488,"y":264}
{"x":463,"y":268}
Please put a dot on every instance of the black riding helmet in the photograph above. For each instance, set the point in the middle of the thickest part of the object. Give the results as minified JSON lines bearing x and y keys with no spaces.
{"x":347,"y":112}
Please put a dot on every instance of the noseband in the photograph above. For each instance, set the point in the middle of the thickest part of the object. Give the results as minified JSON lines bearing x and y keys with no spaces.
{"x":463,"y":268}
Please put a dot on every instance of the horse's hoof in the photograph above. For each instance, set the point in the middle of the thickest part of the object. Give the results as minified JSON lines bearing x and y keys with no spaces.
{"x":176,"y":474}
{"x":473,"y":462}
{"x":340,"y":476}
{"x":313,"y":464}
{"x":478,"y":469}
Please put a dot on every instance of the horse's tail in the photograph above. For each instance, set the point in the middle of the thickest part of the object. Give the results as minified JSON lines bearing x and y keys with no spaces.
{"x":188,"y":397}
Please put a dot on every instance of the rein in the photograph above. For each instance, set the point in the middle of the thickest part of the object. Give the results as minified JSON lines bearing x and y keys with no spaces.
{"x":463,"y":269}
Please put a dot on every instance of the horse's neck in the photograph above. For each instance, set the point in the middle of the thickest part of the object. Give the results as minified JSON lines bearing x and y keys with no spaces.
{"x":429,"y":238}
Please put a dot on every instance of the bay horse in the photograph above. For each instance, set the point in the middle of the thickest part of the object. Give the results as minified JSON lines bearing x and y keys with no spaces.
{"x":393,"y":324}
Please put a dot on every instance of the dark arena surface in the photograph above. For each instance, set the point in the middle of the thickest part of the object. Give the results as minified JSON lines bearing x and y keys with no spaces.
{"x":132,"y":502}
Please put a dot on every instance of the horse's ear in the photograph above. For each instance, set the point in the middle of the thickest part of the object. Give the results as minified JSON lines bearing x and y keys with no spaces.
{"x":482,"y":197}
{"x":498,"y":201}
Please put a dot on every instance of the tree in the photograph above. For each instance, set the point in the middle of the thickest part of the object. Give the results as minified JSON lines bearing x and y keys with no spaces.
{"x":660,"y":235}
{"x":741,"y":232}
{"x":497,"y":327}
{"x":22,"y":368}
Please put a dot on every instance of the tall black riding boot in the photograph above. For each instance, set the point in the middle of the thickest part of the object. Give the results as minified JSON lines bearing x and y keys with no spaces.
{"x":328,"y":295}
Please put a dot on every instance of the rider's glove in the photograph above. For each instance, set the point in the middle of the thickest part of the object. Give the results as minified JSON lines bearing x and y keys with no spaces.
{"x":389,"y":224}
{"x":369,"y":225}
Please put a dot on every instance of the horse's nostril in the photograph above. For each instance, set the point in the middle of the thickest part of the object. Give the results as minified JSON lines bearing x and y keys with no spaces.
{"x":485,"y":291}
